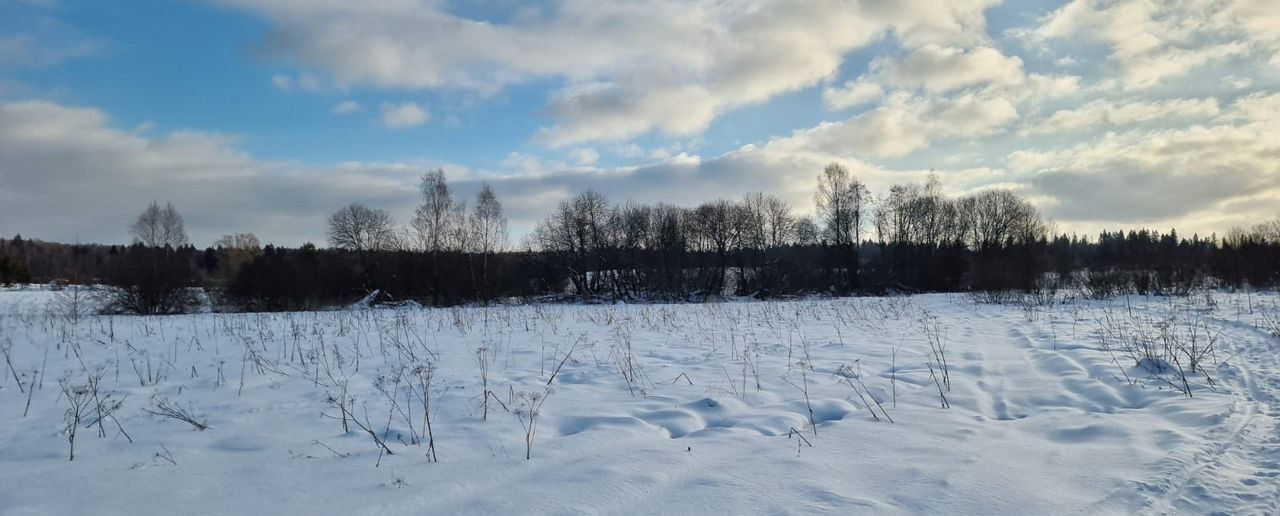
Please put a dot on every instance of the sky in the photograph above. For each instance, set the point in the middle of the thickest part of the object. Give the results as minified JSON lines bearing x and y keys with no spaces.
{"x":266,"y":116}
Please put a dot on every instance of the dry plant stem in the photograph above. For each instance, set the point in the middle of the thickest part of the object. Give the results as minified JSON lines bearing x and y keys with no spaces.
{"x":368,"y":430}
{"x":425,"y":375}
{"x":942,"y":395}
{"x":30,"y":391}
{"x":167,"y":455}
{"x":799,"y":434}
{"x":873,"y":398}
{"x":528,"y":416}
{"x":484,"y":382}
{"x":804,"y":388}
{"x":9,"y":360}
{"x":78,"y":399}
{"x":556,"y":371}
{"x":163,"y":407}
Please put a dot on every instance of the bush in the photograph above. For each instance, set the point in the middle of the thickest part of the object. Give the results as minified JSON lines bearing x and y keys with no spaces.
{"x":152,"y":281}
{"x":12,"y":271}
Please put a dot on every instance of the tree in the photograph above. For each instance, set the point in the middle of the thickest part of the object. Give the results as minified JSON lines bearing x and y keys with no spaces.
{"x":437,"y":221}
{"x":159,"y":227}
{"x":152,"y":280}
{"x":244,"y":241}
{"x":841,"y":202}
{"x":357,"y":227}
{"x":236,"y":250}
{"x":576,"y":235}
{"x":489,"y":230}
{"x":997,"y":217}
{"x":780,"y":225}
{"x":718,"y":233}
{"x":806,"y":231}
{"x":491,"y":224}
{"x":12,"y":271}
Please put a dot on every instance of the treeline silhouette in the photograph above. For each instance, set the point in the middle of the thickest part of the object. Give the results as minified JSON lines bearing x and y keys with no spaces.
{"x":914,"y":238}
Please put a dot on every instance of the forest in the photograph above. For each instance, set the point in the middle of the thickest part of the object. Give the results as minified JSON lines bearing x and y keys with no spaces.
{"x":911,"y":239}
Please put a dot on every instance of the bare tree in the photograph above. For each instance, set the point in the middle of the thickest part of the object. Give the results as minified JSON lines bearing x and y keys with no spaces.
{"x":489,"y":230}
{"x":754,"y":224}
{"x":1268,"y":231}
{"x":159,"y":227}
{"x":577,"y":233}
{"x":841,"y":202}
{"x":245,"y":241}
{"x":235,"y":251}
{"x":920,"y":214}
{"x":436,"y":219}
{"x":491,"y":224}
{"x":805,"y":231}
{"x":716,"y":232}
{"x":357,"y":227}
{"x":780,"y":225}
{"x":997,"y":217}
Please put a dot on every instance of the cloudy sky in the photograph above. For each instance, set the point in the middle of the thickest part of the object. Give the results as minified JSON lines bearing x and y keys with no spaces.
{"x":267,"y":115}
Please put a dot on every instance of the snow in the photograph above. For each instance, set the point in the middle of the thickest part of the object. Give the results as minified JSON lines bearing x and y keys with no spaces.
{"x":656,"y":410}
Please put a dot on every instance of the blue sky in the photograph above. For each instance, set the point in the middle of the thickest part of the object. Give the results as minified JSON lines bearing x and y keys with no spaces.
{"x":266,"y":115}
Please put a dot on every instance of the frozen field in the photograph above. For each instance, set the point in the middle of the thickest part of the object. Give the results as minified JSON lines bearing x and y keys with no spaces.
{"x":732,"y":408}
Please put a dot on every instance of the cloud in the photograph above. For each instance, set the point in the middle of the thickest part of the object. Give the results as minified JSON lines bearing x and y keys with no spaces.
{"x":939,"y":69}
{"x":1195,"y":178}
{"x":403,"y":115}
{"x":1199,"y":178}
{"x":289,"y":83}
{"x":629,"y":68}
{"x":1256,"y":107}
{"x":1152,"y":42}
{"x":58,"y":157}
{"x":904,"y":124}
{"x":932,"y":93}
{"x":348,"y":107}
{"x":49,"y":45}
{"x":1100,"y":113}
{"x":1166,"y":117}
{"x":585,"y":156}
{"x":852,"y":94}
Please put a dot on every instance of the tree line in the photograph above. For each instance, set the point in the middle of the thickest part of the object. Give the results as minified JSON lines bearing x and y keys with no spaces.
{"x":913,"y":238}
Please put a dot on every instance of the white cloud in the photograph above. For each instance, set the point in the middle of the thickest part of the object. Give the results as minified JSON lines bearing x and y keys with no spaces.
{"x":403,"y":115}
{"x":50,"y":46}
{"x":1197,"y":178}
{"x":66,"y":156}
{"x":1152,"y":42}
{"x":940,"y":69}
{"x":1255,"y":107}
{"x":57,"y":155}
{"x":585,"y":156}
{"x":1236,"y":82}
{"x":630,"y":67}
{"x":282,"y":82}
{"x":289,"y":83}
{"x":904,"y":124}
{"x":1135,"y":118}
{"x":1099,"y":114}
{"x":852,"y":94}
{"x":348,"y":107}
{"x":932,"y":93}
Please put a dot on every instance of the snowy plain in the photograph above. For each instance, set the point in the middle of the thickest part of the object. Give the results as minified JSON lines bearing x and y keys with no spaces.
{"x":722,"y":408}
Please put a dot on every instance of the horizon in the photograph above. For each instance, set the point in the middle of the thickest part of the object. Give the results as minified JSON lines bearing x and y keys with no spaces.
{"x":268,"y":116}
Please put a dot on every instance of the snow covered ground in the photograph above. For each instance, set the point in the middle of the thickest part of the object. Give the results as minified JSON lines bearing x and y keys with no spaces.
{"x":657,"y":409}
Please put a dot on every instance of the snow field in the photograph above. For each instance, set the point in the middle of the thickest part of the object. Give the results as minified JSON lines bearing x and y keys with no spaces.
{"x":727,"y":408}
